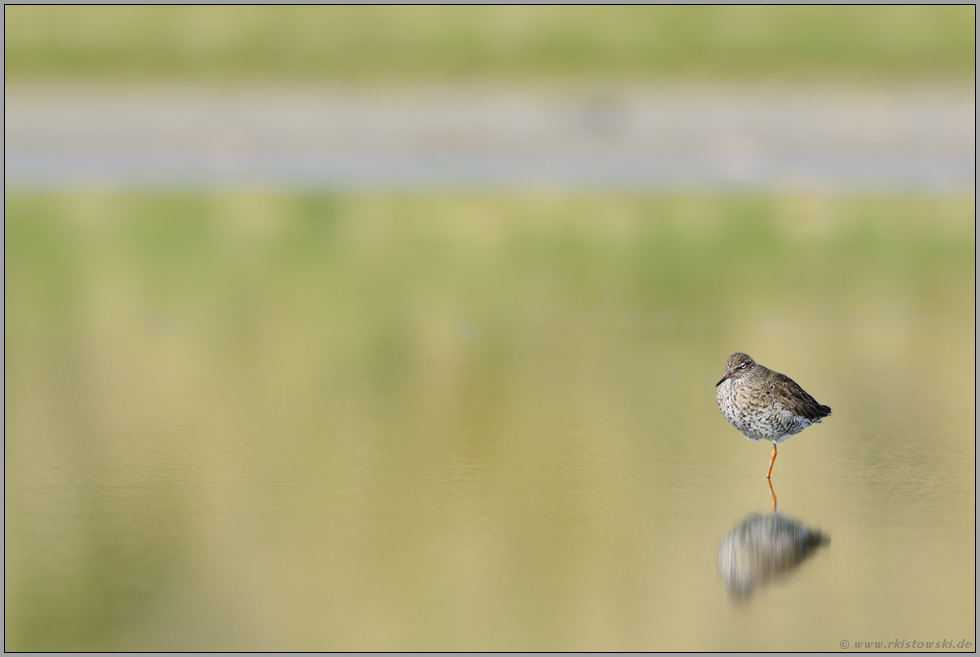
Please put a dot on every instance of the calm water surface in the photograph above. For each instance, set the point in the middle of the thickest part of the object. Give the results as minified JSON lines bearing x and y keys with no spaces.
{"x":273,"y":422}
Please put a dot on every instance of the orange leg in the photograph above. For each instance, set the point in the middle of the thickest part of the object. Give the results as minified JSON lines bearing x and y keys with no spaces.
{"x":771,"y":460}
{"x":772,"y":495}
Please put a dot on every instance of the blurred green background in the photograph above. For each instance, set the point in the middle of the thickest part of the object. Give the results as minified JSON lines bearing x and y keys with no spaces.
{"x":415,"y":43}
{"x":278,"y":420}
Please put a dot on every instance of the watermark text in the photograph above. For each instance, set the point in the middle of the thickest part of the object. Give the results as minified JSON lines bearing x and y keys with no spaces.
{"x":906,"y":644}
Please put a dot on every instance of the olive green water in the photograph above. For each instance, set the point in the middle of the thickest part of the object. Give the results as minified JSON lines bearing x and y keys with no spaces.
{"x":275,"y":422}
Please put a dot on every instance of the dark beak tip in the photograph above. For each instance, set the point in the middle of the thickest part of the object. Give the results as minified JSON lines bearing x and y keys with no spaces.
{"x":723,"y":379}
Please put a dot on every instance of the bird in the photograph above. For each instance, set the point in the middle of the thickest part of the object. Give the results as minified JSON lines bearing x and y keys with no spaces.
{"x":763,"y":404}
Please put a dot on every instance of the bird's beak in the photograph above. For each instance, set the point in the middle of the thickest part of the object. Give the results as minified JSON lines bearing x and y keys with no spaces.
{"x":727,"y":376}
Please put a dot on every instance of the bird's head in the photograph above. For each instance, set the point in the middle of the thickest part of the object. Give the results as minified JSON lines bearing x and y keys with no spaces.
{"x":738,"y":365}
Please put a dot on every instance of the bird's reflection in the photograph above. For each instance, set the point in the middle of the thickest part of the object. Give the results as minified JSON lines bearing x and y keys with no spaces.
{"x":762,"y":548}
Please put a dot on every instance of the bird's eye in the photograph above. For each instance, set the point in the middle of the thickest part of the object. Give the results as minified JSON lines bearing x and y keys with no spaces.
{"x":742,"y":366}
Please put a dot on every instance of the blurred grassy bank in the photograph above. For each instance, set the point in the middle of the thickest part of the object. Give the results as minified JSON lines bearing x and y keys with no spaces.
{"x":696,"y":250}
{"x":367,"y":275}
{"x":418,"y":43}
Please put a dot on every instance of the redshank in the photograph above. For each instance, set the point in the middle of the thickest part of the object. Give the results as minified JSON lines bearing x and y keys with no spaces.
{"x":763,"y":404}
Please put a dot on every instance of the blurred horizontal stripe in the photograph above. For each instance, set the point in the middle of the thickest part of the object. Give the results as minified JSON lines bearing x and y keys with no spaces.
{"x":494,"y":138}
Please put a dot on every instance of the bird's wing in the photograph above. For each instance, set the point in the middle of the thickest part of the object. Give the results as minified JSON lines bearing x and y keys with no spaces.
{"x":788,"y":393}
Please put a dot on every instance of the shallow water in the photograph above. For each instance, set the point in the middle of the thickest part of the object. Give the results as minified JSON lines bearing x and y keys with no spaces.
{"x":274,"y":422}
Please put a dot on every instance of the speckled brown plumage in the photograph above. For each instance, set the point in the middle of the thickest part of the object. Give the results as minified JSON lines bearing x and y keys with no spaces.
{"x":763,"y":404}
